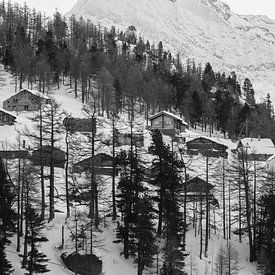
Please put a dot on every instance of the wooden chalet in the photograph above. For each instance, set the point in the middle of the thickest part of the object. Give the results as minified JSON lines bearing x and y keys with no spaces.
{"x":87,"y":125}
{"x":25,"y":100}
{"x":168,"y":123}
{"x":125,"y":139}
{"x":258,"y":149}
{"x":197,"y":189}
{"x":6,"y":118}
{"x":59,"y":156}
{"x":207,"y":146}
{"x":103,"y":165}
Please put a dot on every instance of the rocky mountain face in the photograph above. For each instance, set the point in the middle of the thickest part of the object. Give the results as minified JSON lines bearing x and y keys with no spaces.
{"x":206,"y":30}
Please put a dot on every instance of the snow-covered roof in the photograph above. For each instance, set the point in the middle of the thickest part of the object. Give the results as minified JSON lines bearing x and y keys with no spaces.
{"x":36,"y":93}
{"x":222,"y":141}
{"x":181,"y":120}
{"x":258,"y":145}
{"x":7,"y":112}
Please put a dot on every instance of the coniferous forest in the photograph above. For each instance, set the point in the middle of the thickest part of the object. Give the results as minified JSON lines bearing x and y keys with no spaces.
{"x":117,"y":72}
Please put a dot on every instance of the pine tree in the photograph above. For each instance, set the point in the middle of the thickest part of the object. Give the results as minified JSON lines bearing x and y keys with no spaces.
{"x":166,"y":177}
{"x":143,"y":247}
{"x":208,"y":78}
{"x":130,"y":187}
{"x":266,"y":234}
{"x":7,"y":217}
{"x":35,"y":259}
{"x":249,"y":93}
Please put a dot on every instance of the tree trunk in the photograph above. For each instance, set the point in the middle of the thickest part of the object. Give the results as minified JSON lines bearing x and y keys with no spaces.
{"x":247,"y":208}
{"x":41,"y":164}
{"x":114,"y":173}
{"x":66,"y":176}
{"x":51,"y":212}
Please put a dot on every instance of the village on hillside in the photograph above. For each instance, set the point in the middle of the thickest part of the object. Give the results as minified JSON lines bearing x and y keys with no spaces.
{"x":205,"y":152}
{"x":119,"y":156}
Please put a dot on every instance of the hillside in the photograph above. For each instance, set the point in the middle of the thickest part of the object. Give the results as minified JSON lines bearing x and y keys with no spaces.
{"x":206,"y":30}
{"x":109,"y":253}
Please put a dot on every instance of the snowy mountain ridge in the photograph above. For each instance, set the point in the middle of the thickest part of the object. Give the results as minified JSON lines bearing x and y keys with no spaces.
{"x":206,"y":30}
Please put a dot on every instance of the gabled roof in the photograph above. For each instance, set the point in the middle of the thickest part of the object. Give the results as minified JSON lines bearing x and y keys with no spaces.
{"x":7,"y":112}
{"x":225,"y":142}
{"x":198,"y":184}
{"x":263,"y":146}
{"x":36,"y":93}
{"x":170,"y":115}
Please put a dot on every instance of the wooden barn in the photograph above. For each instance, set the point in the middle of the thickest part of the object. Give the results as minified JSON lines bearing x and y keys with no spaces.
{"x":103,"y":165}
{"x":168,"y":123}
{"x":87,"y":125}
{"x":6,"y":118}
{"x":207,"y":146}
{"x":125,"y":139}
{"x":25,"y":100}
{"x":59,"y":156}
{"x":197,"y":188}
{"x":258,"y":149}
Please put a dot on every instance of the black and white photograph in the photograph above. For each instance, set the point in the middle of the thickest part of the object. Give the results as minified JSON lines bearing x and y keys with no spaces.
{"x":137,"y":137}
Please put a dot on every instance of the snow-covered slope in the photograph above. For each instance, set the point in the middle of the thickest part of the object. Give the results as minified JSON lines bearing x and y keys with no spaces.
{"x":206,"y":30}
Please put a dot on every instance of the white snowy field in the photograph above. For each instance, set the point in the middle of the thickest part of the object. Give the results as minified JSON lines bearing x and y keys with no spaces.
{"x":109,"y":252}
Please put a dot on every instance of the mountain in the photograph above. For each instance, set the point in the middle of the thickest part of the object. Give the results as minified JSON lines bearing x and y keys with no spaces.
{"x":206,"y":30}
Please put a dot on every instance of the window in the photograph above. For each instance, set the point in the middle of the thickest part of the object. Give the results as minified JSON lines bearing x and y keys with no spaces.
{"x":26,"y":108}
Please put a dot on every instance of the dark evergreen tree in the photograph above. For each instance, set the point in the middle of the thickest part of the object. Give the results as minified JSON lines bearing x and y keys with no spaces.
{"x":208,"y":78}
{"x":249,"y":93}
{"x":143,"y":247}
{"x":35,"y":262}
{"x":165,"y":172}
{"x":266,"y":233}
{"x":7,"y":217}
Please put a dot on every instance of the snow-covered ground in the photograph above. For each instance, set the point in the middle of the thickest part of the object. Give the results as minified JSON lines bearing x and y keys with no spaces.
{"x":109,"y":252}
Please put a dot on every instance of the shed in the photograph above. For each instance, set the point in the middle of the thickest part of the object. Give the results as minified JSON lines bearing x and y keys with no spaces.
{"x":197,"y":188}
{"x":6,"y":118}
{"x":58,"y":154}
{"x":198,"y":185}
{"x":125,"y":139}
{"x":25,"y":100}
{"x":207,"y":146}
{"x":168,"y":123}
{"x":103,"y":164}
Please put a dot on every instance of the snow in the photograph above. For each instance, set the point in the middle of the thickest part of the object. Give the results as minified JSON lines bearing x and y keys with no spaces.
{"x":169,"y":114}
{"x":259,"y":145}
{"x":108,"y":251}
{"x":202,"y":29}
{"x":36,"y":93}
{"x":7,"y":112}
